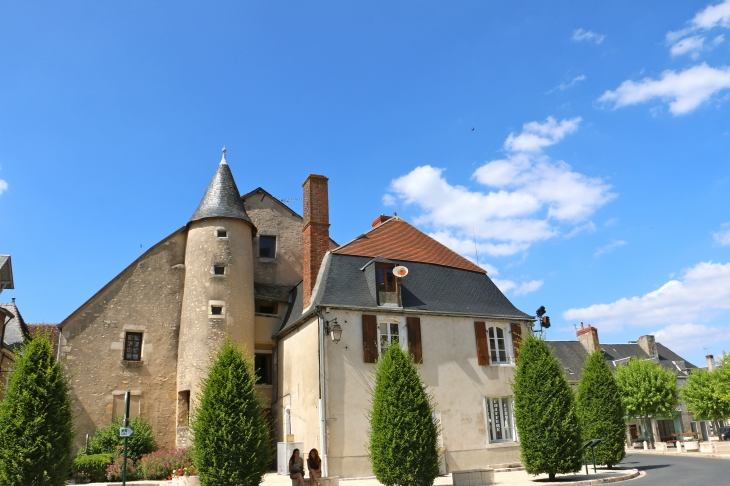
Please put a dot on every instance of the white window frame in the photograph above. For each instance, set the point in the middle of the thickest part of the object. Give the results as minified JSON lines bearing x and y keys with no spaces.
{"x":402,"y":334}
{"x":507,"y":334}
{"x":491,"y":424}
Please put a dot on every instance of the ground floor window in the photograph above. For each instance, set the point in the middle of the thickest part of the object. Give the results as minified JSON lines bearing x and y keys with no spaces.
{"x":500,"y":419}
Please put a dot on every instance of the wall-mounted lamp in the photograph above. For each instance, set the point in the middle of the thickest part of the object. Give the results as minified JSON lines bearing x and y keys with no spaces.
{"x":334,"y":329}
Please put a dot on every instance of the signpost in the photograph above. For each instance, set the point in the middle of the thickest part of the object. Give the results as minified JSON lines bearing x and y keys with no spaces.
{"x":126,"y":431}
{"x":590,"y":444}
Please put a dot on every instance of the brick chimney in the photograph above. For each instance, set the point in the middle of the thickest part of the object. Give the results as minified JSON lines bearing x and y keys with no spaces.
{"x":315,"y":232}
{"x":380,"y":220}
{"x":648,"y":344}
{"x":588,"y":337}
{"x":710,"y":362}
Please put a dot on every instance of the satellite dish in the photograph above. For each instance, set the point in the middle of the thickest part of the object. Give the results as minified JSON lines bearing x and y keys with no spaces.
{"x":400,"y":271}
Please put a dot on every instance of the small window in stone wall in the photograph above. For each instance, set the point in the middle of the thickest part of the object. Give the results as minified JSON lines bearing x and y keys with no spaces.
{"x":133,"y":346}
{"x":266,"y":307}
{"x":222,"y":233}
{"x":183,"y":408}
{"x":267,"y":246}
{"x":262,"y":363}
{"x":216,"y":310}
{"x":219,"y":270}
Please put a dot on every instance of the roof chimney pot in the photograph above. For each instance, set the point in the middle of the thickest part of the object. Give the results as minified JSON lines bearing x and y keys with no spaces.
{"x":588,"y":338}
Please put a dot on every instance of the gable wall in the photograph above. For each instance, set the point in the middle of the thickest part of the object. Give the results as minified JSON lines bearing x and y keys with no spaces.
{"x":146,"y":297}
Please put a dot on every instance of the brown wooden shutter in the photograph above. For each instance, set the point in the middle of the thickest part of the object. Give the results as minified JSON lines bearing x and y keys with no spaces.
{"x":516,"y":338}
{"x":482,"y":350}
{"x":369,"y":338}
{"x":414,"y":339}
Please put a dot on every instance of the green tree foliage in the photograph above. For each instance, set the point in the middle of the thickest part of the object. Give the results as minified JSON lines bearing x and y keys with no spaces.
{"x":545,"y":414}
{"x":703,"y":394}
{"x":36,"y":419}
{"x":403,"y":445}
{"x":600,"y":411}
{"x":94,"y":466}
{"x":107,"y":440}
{"x":230,"y":434}
{"x":647,"y":390}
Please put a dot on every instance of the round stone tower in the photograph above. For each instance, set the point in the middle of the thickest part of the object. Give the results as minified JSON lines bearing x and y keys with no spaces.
{"x":218,"y":298}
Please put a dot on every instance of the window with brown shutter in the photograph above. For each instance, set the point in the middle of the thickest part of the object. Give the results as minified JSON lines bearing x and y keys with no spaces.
{"x":414,"y":339}
{"x":369,"y":338}
{"x":480,"y":329}
{"x":516,"y":338}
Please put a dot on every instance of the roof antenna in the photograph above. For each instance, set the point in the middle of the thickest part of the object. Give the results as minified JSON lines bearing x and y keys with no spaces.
{"x":475,"y":244}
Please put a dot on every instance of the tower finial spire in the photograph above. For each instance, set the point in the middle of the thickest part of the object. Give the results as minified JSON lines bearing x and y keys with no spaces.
{"x":223,"y":159}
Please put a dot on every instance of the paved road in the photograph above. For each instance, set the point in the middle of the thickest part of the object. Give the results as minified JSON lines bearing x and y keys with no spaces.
{"x":678,"y":470}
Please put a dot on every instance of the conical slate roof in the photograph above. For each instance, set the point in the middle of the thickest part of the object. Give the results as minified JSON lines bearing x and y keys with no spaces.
{"x":222,"y":199}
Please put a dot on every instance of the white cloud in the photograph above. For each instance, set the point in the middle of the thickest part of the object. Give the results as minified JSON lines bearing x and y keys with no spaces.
{"x":531,"y":197}
{"x":684,"y":91}
{"x":587,"y":35}
{"x":535,"y":135}
{"x":3,"y":186}
{"x":688,"y":44}
{"x":688,"y":338}
{"x":569,"y":84}
{"x":388,"y":200}
{"x":700,"y":293}
{"x":609,"y":248}
{"x":706,"y":19}
{"x":589,"y":227}
{"x":722,"y":237}
{"x":515,"y":288}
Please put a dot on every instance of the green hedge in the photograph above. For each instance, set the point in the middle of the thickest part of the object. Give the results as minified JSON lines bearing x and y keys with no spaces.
{"x":94,"y":465}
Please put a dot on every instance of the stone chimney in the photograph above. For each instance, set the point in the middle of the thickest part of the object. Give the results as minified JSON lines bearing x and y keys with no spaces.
{"x":710,"y":362}
{"x":588,"y":337}
{"x":648,"y":344}
{"x":315,"y":232}
{"x":380,"y":220}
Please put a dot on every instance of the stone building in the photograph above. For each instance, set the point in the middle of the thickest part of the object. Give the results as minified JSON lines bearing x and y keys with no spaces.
{"x":251,"y":268}
{"x":573,"y":355}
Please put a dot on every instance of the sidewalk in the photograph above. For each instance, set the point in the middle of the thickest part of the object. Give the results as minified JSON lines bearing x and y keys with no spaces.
{"x":674,"y":452}
{"x":508,"y":478}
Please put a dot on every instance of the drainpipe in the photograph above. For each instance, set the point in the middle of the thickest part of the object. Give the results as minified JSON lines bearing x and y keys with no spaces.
{"x":323,"y":397}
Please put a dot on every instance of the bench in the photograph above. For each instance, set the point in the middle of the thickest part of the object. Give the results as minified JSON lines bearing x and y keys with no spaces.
{"x":473,"y":477}
{"x":324,"y":481}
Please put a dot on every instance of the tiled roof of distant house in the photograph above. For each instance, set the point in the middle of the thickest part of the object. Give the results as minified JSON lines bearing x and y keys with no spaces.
{"x":16,"y":330}
{"x":572,"y":356}
{"x":396,"y":239}
{"x":53,"y":331}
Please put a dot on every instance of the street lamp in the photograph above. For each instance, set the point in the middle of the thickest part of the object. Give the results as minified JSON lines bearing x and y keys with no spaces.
{"x":333,"y":329}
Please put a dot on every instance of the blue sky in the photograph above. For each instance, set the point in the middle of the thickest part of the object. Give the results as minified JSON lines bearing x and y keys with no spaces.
{"x":584,"y":146}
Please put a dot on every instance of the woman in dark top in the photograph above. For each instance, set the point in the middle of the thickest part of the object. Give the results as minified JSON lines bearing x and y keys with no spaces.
{"x":296,"y":468}
{"x":314,"y":464}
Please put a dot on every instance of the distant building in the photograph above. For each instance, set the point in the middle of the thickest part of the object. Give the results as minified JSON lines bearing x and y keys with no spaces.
{"x":573,"y":355}
{"x":13,"y":333}
{"x":251,"y":268}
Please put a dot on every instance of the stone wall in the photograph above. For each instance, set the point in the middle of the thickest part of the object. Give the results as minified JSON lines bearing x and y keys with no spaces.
{"x":146,"y":297}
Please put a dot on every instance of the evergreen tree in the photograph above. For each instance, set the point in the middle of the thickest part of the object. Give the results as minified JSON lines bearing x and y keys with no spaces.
{"x":703,"y":395}
{"x":600,"y":411}
{"x":545,"y":415}
{"x":230,"y":435}
{"x":403,"y":446}
{"x":36,"y":419}
{"x":647,"y":390}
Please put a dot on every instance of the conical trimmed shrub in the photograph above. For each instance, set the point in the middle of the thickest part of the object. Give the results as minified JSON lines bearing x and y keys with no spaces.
{"x":36,"y":419}
{"x":600,"y":411}
{"x":230,"y":435}
{"x":545,"y":414}
{"x":403,"y":446}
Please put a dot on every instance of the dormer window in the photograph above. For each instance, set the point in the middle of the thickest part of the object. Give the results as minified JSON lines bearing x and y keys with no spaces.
{"x":385,"y":278}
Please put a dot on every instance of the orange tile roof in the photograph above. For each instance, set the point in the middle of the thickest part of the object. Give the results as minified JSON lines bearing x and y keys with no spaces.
{"x":396,"y":239}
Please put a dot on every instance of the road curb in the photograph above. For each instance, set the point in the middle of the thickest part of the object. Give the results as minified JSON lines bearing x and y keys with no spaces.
{"x":681,"y":454}
{"x":634,"y":473}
